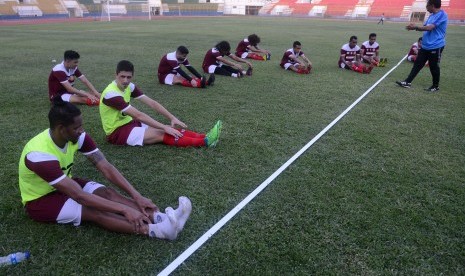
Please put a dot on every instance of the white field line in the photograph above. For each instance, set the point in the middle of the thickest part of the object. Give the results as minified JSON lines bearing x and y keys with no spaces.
{"x":197,"y":244}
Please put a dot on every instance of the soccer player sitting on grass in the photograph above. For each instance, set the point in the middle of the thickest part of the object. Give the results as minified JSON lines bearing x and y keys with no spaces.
{"x":170,"y":71}
{"x":216,"y":63}
{"x":61,"y":82}
{"x":248,"y":48}
{"x":350,"y":58}
{"x":295,"y":60}
{"x":126,"y":125}
{"x":413,"y":52}
{"x":50,"y":193}
{"x":370,"y":52}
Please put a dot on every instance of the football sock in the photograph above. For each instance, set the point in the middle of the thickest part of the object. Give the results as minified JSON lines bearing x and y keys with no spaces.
{"x":90,"y":102}
{"x":184,"y":141}
{"x":255,"y":56}
{"x":186,"y":83}
{"x":165,"y":226}
{"x":234,"y":75}
{"x":191,"y":134}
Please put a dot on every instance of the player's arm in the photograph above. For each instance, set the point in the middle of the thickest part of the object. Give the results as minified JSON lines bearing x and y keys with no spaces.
{"x":236,"y":58}
{"x":228,"y":62}
{"x":183,"y":74}
{"x":146,"y":119}
{"x":414,"y":27}
{"x":296,"y":59}
{"x":74,"y":90}
{"x":90,"y":86}
{"x":156,"y":106}
{"x":193,"y":71}
{"x":114,"y":176}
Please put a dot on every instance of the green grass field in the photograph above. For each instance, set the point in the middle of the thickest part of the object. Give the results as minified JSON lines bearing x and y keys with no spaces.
{"x":382,"y":193}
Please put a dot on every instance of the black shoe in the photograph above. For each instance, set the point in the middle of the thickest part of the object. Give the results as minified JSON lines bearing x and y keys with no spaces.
{"x":211,"y":79}
{"x":249,"y":71}
{"x":203,"y":82}
{"x":404,"y":84}
{"x":432,"y":89}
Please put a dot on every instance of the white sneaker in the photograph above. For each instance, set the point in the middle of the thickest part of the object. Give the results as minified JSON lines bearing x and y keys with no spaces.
{"x":183,"y":211}
{"x":166,"y":225}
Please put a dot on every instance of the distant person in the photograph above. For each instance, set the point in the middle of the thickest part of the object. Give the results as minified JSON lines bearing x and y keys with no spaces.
{"x":370,"y":52}
{"x":61,"y":82}
{"x":381,"y":20}
{"x":433,"y":42}
{"x":248,"y":48}
{"x":125,"y":125}
{"x":215,"y":62}
{"x":413,"y":52}
{"x":294,"y":60}
{"x":51,"y":194}
{"x":170,"y":71}
{"x":349,"y":58}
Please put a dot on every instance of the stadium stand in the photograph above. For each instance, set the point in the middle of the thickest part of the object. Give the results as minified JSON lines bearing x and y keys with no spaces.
{"x":455,"y":9}
{"x":391,"y":8}
{"x":338,"y":8}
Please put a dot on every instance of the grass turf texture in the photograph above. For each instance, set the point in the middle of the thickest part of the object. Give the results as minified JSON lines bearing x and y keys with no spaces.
{"x":381,"y":193}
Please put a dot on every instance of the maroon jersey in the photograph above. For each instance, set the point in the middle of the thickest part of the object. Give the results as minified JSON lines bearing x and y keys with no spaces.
{"x":286,"y":57}
{"x":211,"y":58}
{"x":61,"y":75}
{"x":242,"y":47}
{"x":413,"y":48}
{"x":169,"y":64}
{"x":370,"y":49}
{"x":350,"y":53}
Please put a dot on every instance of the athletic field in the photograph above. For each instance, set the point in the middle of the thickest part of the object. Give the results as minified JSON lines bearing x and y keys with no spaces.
{"x":381,"y":192}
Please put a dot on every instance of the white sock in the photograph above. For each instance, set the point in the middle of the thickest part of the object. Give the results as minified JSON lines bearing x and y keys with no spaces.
{"x":234,"y":75}
{"x":165,"y":227}
{"x":183,"y":211}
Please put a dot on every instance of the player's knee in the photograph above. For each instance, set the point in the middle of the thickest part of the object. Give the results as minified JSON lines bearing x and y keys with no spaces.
{"x":106,"y":192}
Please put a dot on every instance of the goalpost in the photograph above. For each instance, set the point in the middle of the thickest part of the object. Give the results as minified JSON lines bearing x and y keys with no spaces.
{"x":132,"y":9}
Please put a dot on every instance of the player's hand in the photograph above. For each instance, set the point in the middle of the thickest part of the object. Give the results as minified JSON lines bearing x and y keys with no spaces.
{"x":238,"y":67}
{"x":411,"y":27}
{"x":93,"y":98}
{"x":136,"y":218}
{"x":172,"y":131}
{"x":176,"y":122}
{"x":146,"y":205}
{"x":249,"y":64}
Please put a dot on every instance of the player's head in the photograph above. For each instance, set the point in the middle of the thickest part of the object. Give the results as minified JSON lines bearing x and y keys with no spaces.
{"x":71,"y":59}
{"x":372,"y":38}
{"x":436,"y":4}
{"x":181,"y":53}
{"x":124,"y":73}
{"x":297,"y":46}
{"x":253,"y":39}
{"x":223,"y":47}
{"x":353,"y":41}
{"x":65,"y":118}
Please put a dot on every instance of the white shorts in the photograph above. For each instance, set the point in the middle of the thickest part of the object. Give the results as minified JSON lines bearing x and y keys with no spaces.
{"x":212,"y":68}
{"x":244,"y":55}
{"x":136,"y":137}
{"x":66,"y":97}
{"x":170,"y":78}
{"x":71,"y":212}
{"x":287,"y":65}
{"x":409,"y":58}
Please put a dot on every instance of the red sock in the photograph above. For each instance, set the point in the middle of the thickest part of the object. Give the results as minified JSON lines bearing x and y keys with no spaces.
{"x":184,"y":141}
{"x":255,"y":56}
{"x":186,"y":83}
{"x":301,"y":71}
{"x":191,"y":134}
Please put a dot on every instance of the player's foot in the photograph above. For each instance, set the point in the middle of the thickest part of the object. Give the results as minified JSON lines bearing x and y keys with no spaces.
{"x":165,"y":225}
{"x":203,"y":82}
{"x":404,"y":84}
{"x":91,"y":102}
{"x":432,"y":89}
{"x":183,"y":211}
{"x":367,"y":69}
{"x":211,"y":79}
{"x":249,"y":71}
{"x":213,"y":136}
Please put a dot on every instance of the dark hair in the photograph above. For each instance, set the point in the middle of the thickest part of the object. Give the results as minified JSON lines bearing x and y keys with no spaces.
{"x":183,"y":50}
{"x":253,"y":39}
{"x":223,"y":46}
{"x":435,"y":3}
{"x":353,"y":37}
{"x":62,"y":113}
{"x":71,"y":55}
{"x":296,"y":43}
{"x":420,"y":39}
{"x":372,"y":35}
{"x":124,"y":65}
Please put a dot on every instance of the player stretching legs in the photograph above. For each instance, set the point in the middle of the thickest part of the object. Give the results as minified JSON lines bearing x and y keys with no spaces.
{"x":295,"y":60}
{"x":216,"y":63}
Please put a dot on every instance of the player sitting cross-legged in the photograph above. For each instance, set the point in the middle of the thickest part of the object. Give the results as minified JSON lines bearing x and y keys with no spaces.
{"x":370,"y":52}
{"x":170,"y":71}
{"x":126,"y":125}
{"x":295,"y":60}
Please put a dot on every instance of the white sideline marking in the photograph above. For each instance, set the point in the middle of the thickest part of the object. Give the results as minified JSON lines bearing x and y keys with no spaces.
{"x":196,"y":245}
